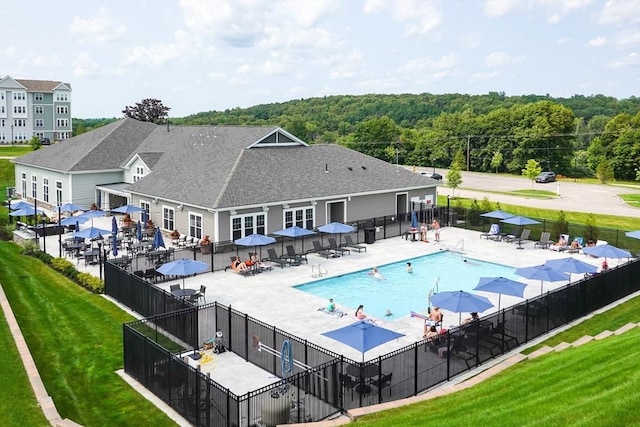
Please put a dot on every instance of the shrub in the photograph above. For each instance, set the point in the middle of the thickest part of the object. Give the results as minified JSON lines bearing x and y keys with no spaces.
{"x":90,"y":282}
{"x":485,"y":204}
{"x":30,"y":247}
{"x":590,"y":230}
{"x":474,"y":213}
{"x":44,"y":257}
{"x":65,"y":267}
{"x":561,"y":226}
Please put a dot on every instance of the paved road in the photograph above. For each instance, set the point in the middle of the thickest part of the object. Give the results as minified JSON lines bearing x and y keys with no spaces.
{"x":577,"y":197}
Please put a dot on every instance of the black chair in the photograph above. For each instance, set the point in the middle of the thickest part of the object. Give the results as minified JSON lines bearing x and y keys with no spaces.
{"x":175,"y":287}
{"x":348,"y":383}
{"x":349,"y":243}
{"x":296,"y":258}
{"x":333,"y":245}
{"x":200,"y":294}
{"x":317,"y":248}
{"x":383,"y":382}
{"x":273,"y":257}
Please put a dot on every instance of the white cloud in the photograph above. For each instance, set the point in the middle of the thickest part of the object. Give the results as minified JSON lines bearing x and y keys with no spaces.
{"x":350,"y":66}
{"x":159,"y":54}
{"x":558,"y":9}
{"x":630,"y":60}
{"x":446,"y":62}
{"x":597,"y":42}
{"x":470,"y":41}
{"x":615,"y":12}
{"x":85,"y":67}
{"x":627,"y":39}
{"x":502,"y":59}
{"x":100,"y":28}
{"x":497,"y":8}
{"x":418,"y":17}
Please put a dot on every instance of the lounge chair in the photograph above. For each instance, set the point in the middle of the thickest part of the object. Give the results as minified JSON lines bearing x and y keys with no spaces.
{"x":296,"y":258}
{"x":317,"y":248}
{"x":333,"y":245}
{"x":560,"y":248}
{"x":544,"y":241}
{"x":349,"y":243}
{"x":245,"y":273}
{"x":273,"y":257}
{"x":576,"y":245}
{"x":493,"y":234}
{"x":519,"y":239}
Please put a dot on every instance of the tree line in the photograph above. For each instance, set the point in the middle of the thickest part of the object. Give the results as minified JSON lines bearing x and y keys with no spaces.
{"x":571,"y":136}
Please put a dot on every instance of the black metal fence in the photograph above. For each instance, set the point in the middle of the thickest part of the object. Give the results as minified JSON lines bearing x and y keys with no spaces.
{"x":326,"y":382}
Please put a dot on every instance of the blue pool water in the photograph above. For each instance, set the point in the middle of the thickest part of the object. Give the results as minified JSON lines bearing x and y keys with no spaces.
{"x":402,"y":292}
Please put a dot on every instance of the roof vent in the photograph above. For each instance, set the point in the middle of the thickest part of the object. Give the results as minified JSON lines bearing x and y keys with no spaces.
{"x":364,"y":167}
{"x":350,"y":168}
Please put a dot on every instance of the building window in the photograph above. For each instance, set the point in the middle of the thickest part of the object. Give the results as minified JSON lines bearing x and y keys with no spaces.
{"x":138,"y":174}
{"x":62,"y":110}
{"x":301,"y":217}
{"x":246,"y":224}
{"x":3,"y":137}
{"x":146,"y":206}
{"x":34,"y":186}
{"x":19,"y":122}
{"x":45,"y":189}
{"x":1,"y":122}
{"x":24,"y":185}
{"x":62,"y":97}
{"x":195,"y":225}
{"x":39,"y":123}
{"x":62,"y":135}
{"x":38,"y":96}
{"x":19,"y":109}
{"x":19,"y":96}
{"x":40,"y":135}
{"x":168,"y":218}
{"x":62,"y":123}
{"x":38,"y":109}
{"x":59,"y":193}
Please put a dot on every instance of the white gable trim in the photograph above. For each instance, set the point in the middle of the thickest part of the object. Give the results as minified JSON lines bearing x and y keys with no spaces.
{"x":278,"y":138}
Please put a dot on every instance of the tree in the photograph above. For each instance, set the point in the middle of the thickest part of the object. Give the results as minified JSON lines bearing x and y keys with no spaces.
{"x":561,"y":226}
{"x":147,"y":110}
{"x":454,"y":176}
{"x":496,"y":160}
{"x":35,"y":143}
{"x":604,"y":171}
{"x":531,"y":170}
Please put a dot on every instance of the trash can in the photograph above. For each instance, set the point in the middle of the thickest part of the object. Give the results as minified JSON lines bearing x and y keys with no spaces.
{"x":369,"y":235}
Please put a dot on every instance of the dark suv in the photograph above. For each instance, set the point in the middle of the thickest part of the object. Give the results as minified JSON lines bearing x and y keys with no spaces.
{"x":546,"y":177}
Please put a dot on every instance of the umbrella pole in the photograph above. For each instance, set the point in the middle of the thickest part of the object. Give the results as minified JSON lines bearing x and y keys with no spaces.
{"x":499,"y":298}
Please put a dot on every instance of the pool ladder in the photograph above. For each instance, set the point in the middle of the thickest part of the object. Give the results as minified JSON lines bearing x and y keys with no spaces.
{"x":317,"y":271}
{"x":459,"y":247}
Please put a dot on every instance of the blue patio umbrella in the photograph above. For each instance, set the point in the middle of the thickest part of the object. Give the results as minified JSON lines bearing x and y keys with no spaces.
{"x":158,"y":241}
{"x":139,"y":231}
{"x":91,"y":233}
{"x":363,"y":335}
{"x":414,"y":220}
{"x":182,"y":267}
{"x":519,"y":220}
{"x":27,"y":211}
{"x":295,"y":232}
{"x":500,"y":285}
{"x":127,"y":209}
{"x":607,"y":251}
{"x":497,"y":215}
{"x":72,"y":207}
{"x":633,"y":234}
{"x":94,"y":213}
{"x":114,"y":234}
{"x":19,"y":204}
{"x":73,"y":220}
{"x":461,"y":301}
{"x":255,"y":240}
{"x":571,"y":265}
{"x":336,"y":228}
{"x":543,"y":273}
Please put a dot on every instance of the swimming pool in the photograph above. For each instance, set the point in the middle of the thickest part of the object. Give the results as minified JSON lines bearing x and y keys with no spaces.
{"x":402,"y":292}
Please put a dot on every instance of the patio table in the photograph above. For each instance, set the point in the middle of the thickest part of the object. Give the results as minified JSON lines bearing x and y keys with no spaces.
{"x":184,"y":293}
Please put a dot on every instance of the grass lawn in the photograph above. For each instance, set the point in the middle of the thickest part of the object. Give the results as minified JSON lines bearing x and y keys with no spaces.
{"x":592,"y":385}
{"x":14,"y":150}
{"x":75,"y":338}
{"x":631,"y":199}
{"x":540,"y":194}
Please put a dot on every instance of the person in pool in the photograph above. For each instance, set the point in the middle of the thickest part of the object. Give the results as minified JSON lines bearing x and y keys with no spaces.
{"x":375,"y":273}
{"x":409,"y":268}
{"x":360,"y":312}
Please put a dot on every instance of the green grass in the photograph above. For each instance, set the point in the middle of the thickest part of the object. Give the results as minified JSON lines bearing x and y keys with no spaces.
{"x":592,"y":385}
{"x":540,"y":194}
{"x":75,"y":338}
{"x":14,"y":150}
{"x":608,"y":321}
{"x":631,"y":199}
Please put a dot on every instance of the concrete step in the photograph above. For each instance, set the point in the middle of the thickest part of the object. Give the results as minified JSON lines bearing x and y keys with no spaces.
{"x":625,"y":328}
{"x":603,"y":334}
{"x":539,"y":352}
{"x":585,"y":339}
{"x":562,"y":346}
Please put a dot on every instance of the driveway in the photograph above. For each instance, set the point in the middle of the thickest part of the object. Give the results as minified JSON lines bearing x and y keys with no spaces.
{"x":577,"y":197}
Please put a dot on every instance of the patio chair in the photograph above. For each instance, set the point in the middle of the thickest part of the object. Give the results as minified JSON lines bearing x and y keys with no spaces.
{"x":199,"y":294}
{"x":174,"y":287}
{"x":317,"y":248}
{"x":273,"y":257}
{"x":297,"y":258}
{"x":494,"y":232}
{"x":519,"y":239}
{"x":349,"y":243}
{"x":383,"y":382}
{"x":544,"y":241}
{"x":333,"y":245}
{"x":348,"y":383}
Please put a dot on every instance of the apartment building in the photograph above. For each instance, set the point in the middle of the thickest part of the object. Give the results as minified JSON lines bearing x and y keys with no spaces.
{"x":31,"y":108}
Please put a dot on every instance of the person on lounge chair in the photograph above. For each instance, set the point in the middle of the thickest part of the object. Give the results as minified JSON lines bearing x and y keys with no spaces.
{"x":238,"y":265}
{"x":561,"y":245}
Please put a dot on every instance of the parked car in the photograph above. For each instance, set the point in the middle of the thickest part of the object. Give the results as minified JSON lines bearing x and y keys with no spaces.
{"x":45,"y":141}
{"x":432,"y":175}
{"x":546,"y":177}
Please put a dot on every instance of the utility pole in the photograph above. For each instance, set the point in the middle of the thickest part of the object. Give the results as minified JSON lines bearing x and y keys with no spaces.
{"x":468,"y":151}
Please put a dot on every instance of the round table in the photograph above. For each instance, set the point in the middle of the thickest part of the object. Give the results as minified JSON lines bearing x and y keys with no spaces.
{"x":183,"y":293}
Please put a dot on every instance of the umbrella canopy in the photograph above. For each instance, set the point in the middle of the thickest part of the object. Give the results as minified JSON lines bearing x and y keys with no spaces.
{"x":114,"y":233}
{"x":363,"y":335}
{"x":73,"y":220}
{"x":571,"y":265}
{"x":500,"y":285}
{"x":158,"y":241}
{"x":27,"y":211}
{"x":336,"y":228}
{"x":633,"y":234}
{"x":92,"y":214}
{"x":182,"y":267}
{"x":497,"y":215}
{"x":519,"y":220}
{"x":72,"y":207}
{"x":294,"y":231}
{"x":461,"y":301}
{"x":127,"y":209}
{"x":19,"y":204}
{"x":607,"y":251}
{"x":91,"y":233}
{"x":255,"y":240}
{"x":414,"y":219}
{"x":542,"y":273}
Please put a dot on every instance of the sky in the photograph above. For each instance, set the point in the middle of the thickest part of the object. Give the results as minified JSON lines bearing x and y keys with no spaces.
{"x":198,"y":56}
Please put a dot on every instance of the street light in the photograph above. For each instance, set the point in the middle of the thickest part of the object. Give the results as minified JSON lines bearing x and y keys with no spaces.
{"x":11,"y":134}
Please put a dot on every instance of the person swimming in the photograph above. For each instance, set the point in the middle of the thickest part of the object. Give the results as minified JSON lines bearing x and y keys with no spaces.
{"x":375,"y":273}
